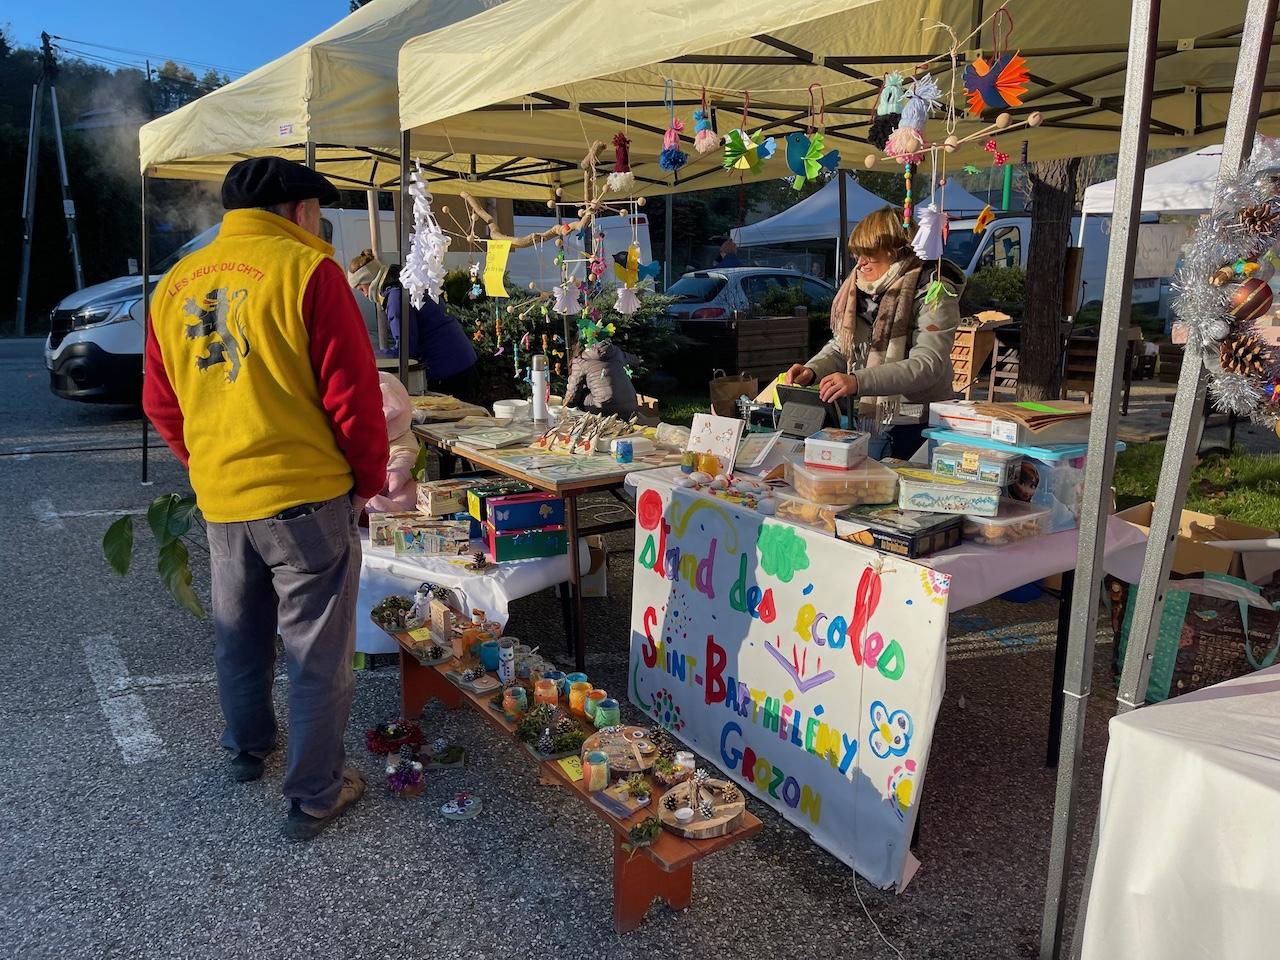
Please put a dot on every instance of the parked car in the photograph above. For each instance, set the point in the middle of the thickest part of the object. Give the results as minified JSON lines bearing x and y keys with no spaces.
{"x":94,"y":348}
{"x":713,"y":295}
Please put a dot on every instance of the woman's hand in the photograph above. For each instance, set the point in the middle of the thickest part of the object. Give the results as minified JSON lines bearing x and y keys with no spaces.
{"x":837,"y":385}
{"x":800,"y":375}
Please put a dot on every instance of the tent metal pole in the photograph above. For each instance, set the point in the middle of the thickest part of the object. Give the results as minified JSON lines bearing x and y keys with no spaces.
{"x":146,"y":325}
{"x":309,"y":153}
{"x":402,"y":242}
{"x":842,"y":257}
{"x":1100,"y":466}
{"x":668,"y":266}
{"x":1187,"y":420}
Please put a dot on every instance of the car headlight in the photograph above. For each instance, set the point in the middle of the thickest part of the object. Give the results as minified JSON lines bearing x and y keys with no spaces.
{"x":116,"y":311}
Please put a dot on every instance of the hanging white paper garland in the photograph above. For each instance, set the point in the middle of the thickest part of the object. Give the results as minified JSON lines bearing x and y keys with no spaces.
{"x":423,"y":271}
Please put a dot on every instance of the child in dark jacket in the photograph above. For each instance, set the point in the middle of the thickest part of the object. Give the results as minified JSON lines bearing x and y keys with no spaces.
{"x":598,"y":381}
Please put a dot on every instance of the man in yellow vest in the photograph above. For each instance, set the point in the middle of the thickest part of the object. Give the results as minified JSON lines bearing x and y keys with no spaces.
{"x":261,"y":378}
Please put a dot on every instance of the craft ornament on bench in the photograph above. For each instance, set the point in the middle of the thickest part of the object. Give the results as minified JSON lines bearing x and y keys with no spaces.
{"x":621,"y":180}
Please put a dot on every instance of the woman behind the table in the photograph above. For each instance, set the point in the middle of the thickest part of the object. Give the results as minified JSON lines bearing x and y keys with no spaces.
{"x":889,"y":347}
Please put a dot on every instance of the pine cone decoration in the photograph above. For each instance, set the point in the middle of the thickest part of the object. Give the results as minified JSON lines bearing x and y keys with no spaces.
{"x":545,"y":744}
{"x":1246,"y":355}
{"x":730,"y":794}
{"x":670,"y":801}
{"x":707,"y":809}
{"x":1260,"y":220}
{"x":565,"y":724}
{"x":443,"y":594}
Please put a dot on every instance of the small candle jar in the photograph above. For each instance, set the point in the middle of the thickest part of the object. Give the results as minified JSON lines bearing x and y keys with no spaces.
{"x":577,"y":697}
{"x":595,"y":770}
{"x":557,"y":677}
{"x":506,"y":660}
{"x":688,"y":461}
{"x":685,"y":761}
{"x":515,"y":702}
{"x":709,"y":463}
{"x":544,"y":691}
{"x":593,"y":701}
{"x":608,"y":714}
{"x":489,"y":654}
{"x":573,"y":678}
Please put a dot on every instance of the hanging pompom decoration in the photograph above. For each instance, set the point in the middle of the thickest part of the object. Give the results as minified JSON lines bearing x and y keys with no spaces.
{"x":999,"y":84}
{"x":621,"y":180}
{"x":705,"y":139}
{"x":906,"y":145}
{"x":924,"y":98}
{"x":672,"y":158}
{"x":423,"y":273}
{"x":888,"y":110}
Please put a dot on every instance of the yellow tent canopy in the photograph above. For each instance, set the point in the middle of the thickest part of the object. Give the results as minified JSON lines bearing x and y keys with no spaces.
{"x":338,"y":91}
{"x":526,"y":86}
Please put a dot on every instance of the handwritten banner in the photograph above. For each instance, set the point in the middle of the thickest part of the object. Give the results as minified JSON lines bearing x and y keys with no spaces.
{"x":809,"y":669}
{"x":495,"y":266}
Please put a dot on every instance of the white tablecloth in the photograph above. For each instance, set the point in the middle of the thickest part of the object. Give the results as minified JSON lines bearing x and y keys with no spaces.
{"x":383,"y":573}
{"x":979,"y":573}
{"x":1189,"y":852}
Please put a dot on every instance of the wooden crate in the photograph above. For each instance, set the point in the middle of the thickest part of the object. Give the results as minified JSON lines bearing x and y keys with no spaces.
{"x":1169,"y":362}
{"x":766,"y":346}
{"x":969,"y":353}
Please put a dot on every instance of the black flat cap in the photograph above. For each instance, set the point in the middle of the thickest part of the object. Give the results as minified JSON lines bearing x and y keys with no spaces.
{"x":266,"y":181}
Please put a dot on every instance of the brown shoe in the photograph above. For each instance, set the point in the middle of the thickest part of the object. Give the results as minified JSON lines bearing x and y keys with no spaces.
{"x":300,"y":825}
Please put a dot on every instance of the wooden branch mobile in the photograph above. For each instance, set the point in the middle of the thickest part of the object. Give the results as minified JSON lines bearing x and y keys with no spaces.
{"x":593,"y":205}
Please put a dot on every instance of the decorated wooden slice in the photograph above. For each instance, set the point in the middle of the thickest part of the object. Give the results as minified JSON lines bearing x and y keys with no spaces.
{"x":629,"y":749}
{"x":720,"y":798}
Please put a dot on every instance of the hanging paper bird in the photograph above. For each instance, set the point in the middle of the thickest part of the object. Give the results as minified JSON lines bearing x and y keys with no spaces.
{"x":806,"y":160}
{"x":984,"y":219}
{"x":743,"y":151}
{"x":936,"y":290}
{"x":628,"y":268}
{"x":996,"y":85}
{"x":628,"y":301}
{"x":672,"y":158}
{"x":621,"y":179}
{"x":704,"y":136}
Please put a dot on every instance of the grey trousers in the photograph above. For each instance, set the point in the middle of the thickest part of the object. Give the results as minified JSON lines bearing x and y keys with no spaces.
{"x":296,"y":573}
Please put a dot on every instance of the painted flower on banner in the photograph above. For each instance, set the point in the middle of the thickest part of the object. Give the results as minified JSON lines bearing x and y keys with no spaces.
{"x":890,"y":731}
{"x":782,"y":551}
{"x":902,"y":783}
{"x":936,"y":585}
{"x":665,"y":711}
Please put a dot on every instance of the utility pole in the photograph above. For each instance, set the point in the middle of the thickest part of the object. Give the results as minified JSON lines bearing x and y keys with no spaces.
{"x":48,"y":74}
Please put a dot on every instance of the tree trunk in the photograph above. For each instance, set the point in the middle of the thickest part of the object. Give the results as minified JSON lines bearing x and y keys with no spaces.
{"x":1053,"y":195}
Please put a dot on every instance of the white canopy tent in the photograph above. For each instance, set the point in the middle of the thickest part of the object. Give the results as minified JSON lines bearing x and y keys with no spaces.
{"x":816,"y":217}
{"x":1182,"y":185}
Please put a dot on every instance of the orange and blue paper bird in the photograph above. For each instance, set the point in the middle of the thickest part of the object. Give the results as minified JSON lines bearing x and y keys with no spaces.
{"x":747,"y":151}
{"x":805,"y":158}
{"x":984,"y":219}
{"x":996,"y":85}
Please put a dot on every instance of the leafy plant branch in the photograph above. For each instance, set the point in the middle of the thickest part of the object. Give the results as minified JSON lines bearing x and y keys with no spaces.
{"x":170,"y":517}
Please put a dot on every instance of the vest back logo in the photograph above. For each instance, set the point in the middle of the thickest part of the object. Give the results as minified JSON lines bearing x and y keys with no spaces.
{"x":217,"y":321}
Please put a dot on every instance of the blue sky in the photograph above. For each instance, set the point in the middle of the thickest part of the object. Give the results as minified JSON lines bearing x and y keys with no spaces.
{"x":234,"y":35}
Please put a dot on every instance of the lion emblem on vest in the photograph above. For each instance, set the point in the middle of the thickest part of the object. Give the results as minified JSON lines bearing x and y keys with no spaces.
{"x":217,"y":319}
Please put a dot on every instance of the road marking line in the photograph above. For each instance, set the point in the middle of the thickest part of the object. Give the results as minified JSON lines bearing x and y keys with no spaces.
{"x":124,"y":711}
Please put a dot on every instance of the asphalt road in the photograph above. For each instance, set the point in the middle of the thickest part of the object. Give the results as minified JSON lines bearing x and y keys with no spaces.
{"x":121,"y":835}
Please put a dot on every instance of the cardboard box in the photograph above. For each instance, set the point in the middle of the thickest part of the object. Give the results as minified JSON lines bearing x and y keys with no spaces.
{"x":963,"y":416}
{"x":382,"y":526}
{"x":595,"y":580}
{"x":1194,"y":551}
{"x":906,"y":533}
{"x":524,"y":511}
{"x":441,"y":497}
{"x":432,"y":538}
{"x":525,"y":544}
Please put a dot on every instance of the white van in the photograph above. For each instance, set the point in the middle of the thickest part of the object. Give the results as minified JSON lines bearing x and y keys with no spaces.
{"x":94,"y":348}
{"x":1007,"y":239}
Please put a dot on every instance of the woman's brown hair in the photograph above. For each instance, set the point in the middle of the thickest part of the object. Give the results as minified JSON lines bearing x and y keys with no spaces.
{"x":879,"y":232}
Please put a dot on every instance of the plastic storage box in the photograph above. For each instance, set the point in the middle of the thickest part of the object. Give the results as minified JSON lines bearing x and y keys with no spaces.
{"x":808,"y":513}
{"x":925,"y":490}
{"x":1015,"y":521}
{"x":868,"y":482}
{"x":974,"y":463}
{"x":836,"y":449}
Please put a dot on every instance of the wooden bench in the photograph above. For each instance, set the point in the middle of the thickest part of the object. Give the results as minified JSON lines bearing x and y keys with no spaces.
{"x":661,"y":871}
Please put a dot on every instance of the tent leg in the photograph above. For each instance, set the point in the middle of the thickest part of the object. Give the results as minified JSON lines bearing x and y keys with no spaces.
{"x":842,"y":257}
{"x":1100,"y":466}
{"x":146,"y":326}
{"x":309,"y":154}
{"x":668,"y":268}
{"x":1187,"y":420}
{"x":402,"y":239}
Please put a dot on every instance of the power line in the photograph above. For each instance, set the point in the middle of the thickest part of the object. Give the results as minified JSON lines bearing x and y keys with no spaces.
{"x":156,"y":56}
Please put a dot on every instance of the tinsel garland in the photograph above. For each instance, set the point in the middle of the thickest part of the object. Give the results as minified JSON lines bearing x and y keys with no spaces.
{"x":1214,"y":298}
